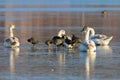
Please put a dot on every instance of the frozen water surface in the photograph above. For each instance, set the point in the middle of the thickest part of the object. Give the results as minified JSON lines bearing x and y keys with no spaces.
{"x":42,"y":63}
{"x":43,"y":19}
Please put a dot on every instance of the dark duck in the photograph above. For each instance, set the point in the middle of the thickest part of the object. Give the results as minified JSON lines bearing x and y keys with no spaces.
{"x":72,"y":41}
{"x":33,"y":41}
{"x":57,"y":40}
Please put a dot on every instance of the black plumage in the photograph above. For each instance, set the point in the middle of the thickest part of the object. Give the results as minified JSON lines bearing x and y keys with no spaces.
{"x":48,"y":42}
{"x":33,"y":41}
{"x":72,"y":41}
{"x":58,"y":41}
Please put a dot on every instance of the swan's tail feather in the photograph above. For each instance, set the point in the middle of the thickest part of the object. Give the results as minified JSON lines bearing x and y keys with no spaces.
{"x":107,"y":40}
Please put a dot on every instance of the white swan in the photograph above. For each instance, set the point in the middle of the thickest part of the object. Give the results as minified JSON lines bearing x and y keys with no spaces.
{"x":11,"y":42}
{"x":87,"y":45}
{"x":99,"y":39}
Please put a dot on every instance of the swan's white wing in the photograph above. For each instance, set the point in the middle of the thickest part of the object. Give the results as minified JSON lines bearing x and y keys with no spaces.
{"x":88,"y":45}
{"x":100,"y":39}
{"x":11,"y":42}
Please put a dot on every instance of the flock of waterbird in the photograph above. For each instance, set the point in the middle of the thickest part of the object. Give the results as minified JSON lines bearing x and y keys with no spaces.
{"x":62,"y":40}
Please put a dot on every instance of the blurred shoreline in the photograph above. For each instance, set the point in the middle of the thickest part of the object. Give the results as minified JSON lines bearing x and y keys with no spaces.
{"x":60,"y":18}
{"x":59,"y":15}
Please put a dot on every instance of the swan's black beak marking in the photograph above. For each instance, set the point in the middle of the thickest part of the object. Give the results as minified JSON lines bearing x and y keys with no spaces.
{"x":84,"y":29}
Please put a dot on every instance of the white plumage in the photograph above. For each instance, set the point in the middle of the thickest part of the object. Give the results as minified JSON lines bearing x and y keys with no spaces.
{"x":99,"y":39}
{"x":87,"y":45}
{"x":11,"y":41}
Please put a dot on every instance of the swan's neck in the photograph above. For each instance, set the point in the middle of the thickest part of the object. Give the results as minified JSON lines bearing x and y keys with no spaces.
{"x":92,"y":32}
{"x":11,"y":32}
{"x":87,"y":34}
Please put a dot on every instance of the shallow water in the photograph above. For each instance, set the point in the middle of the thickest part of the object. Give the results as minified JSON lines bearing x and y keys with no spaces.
{"x":43,"y":20}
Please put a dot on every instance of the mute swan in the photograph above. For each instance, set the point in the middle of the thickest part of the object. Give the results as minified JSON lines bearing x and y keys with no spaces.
{"x":99,"y":39}
{"x":12,"y":41}
{"x":33,"y":41}
{"x":87,"y":45}
{"x":57,"y":40}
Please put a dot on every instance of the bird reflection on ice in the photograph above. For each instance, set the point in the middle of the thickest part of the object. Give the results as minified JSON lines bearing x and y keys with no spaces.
{"x":14,"y":53}
{"x":90,"y":58}
{"x":104,"y":50}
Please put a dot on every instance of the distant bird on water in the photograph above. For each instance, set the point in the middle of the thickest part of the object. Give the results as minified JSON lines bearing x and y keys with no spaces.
{"x":33,"y":41}
{"x":104,"y":13}
{"x":11,"y":41}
